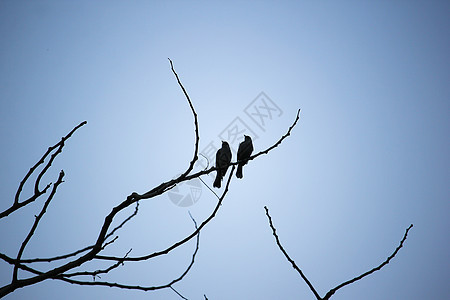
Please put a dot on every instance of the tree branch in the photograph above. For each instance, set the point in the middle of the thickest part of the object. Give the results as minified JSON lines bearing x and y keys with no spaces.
{"x":181,"y":242}
{"x":16,"y":205}
{"x":35,"y":224}
{"x":294,"y":265}
{"x":178,"y":293}
{"x":65,"y":256}
{"x":288,"y":133}
{"x":197,"y":137}
{"x":332,"y":291}
{"x":59,"y":257}
{"x":96,"y":272}
{"x":133,"y":287}
{"x":136,"y":210}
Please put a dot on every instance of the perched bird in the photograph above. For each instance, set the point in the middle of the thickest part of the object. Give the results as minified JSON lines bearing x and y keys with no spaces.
{"x":244,"y":151}
{"x":223,"y":159}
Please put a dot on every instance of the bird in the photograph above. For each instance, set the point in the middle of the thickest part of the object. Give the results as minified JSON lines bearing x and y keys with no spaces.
{"x":244,"y":151}
{"x":223,"y":159}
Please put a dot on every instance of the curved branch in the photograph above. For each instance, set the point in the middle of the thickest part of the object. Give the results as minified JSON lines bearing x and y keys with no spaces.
{"x":332,"y":291}
{"x":197,"y":137}
{"x":288,"y":133}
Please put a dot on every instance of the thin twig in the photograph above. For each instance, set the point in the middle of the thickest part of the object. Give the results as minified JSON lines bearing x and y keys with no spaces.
{"x":178,"y":293}
{"x":204,"y":183}
{"x":125,"y":221}
{"x":288,"y":133}
{"x":96,"y":272}
{"x":59,"y":257}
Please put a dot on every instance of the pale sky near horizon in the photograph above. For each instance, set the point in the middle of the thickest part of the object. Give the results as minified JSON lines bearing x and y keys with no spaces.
{"x":368,"y":157}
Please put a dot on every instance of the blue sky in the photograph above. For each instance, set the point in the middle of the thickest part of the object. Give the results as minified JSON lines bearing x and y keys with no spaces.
{"x":369,"y":156}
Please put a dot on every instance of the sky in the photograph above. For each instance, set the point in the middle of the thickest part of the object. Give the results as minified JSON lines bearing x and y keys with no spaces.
{"x":368,"y":157}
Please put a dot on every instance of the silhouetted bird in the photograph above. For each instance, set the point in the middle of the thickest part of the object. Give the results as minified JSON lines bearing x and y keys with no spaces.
{"x":244,"y":152}
{"x":223,"y":159}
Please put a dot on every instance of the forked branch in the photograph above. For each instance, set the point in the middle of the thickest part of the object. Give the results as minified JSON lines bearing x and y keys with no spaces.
{"x":37,"y":192}
{"x":333,"y":290}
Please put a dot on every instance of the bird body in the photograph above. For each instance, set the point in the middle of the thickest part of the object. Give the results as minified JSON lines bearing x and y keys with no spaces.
{"x":223,"y":159}
{"x":244,"y":151}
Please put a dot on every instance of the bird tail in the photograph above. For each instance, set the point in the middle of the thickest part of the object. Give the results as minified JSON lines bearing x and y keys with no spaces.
{"x":239,"y":171}
{"x":217,"y":182}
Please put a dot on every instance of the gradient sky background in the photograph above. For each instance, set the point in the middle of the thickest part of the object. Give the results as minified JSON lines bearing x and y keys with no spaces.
{"x":369,"y":156}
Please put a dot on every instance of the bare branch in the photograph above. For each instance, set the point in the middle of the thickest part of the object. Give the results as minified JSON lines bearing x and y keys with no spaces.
{"x":36,"y":222}
{"x":96,"y":272}
{"x":197,"y":137}
{"x":204,"y":183}
{"x":125,"y":221}
{"x":64,"y":277}
{"x":274,"y":232}
{"x":178,"y":293}
{"x":133,"y":287}
{"x":332,"y":291}
{"x":37,"y":193}
{"x":181,"y":242}
{"x":93,"y":273}
{"x":13,"y":261}
{"x":59,"y":257}
{"x":288,"y":133}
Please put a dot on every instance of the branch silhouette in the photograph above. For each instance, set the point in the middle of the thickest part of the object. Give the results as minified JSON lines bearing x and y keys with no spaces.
{"x":37,"y":193}
{"x":107,"y":235}
{"x":333,"y":290}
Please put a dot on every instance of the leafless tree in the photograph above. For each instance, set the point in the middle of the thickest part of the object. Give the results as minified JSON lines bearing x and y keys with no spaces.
{"x":333,"y":290}
{"x":68,"y":264}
